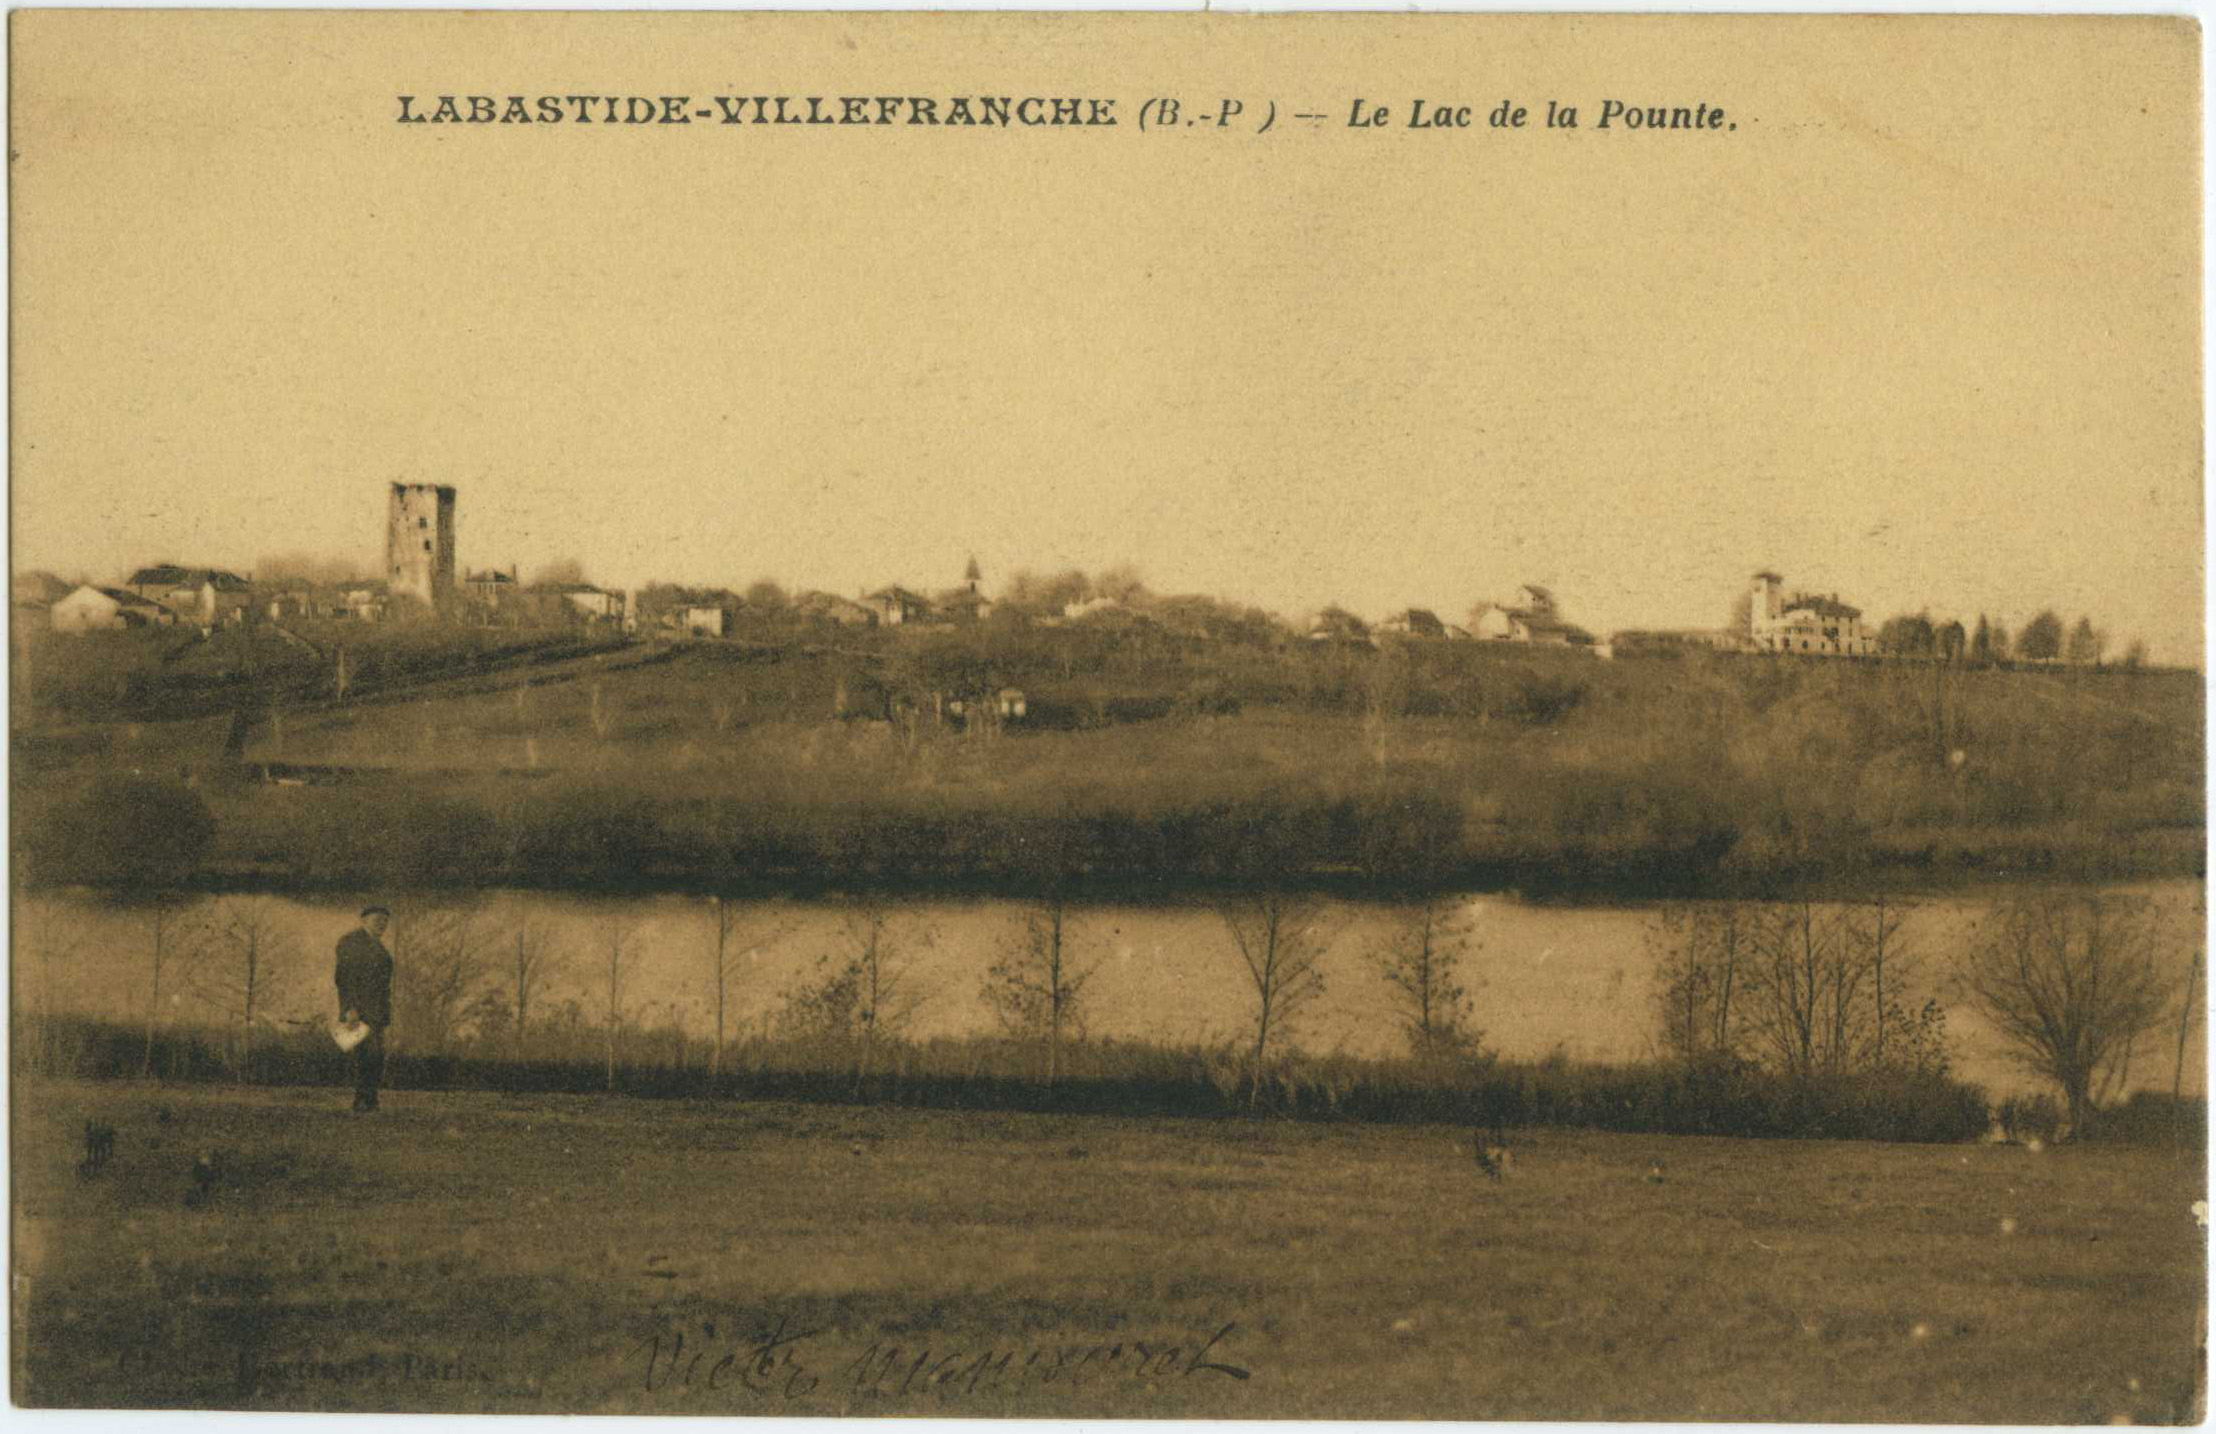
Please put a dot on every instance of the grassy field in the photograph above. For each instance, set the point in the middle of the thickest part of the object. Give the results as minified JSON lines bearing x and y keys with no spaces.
{"x":487,"y":1253}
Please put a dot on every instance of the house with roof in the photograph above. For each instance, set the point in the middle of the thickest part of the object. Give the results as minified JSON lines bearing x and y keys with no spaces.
{"x":207,"y":595}
{"x":1336,"y":624}
{"x":1806,"y":624}
{"x":580,"y":600}
{"x":962,"y":605}
{"x":896,"y":605}
{"x":493,"y":588}
{"x":831,"y":608}
{"x":697,"y":619}
{"x":290,"y":600}
{"x":1413,"y":622}
{"x":968,"y":602}
{"x":364,"y":600}
{"x":100,"y":609}
{"x":37,"y":589}
{"x":32,"y":597}
{"x":1532,"y":618}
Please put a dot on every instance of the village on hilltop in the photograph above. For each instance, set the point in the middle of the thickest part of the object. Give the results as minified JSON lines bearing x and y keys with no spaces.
{"x":422,"y":582}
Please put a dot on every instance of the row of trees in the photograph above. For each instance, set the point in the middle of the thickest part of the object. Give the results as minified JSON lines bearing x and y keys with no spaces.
{"x":2072,"y":983}
{"x":465,"y":978}
{"x":233,"y":958}
{"x":1806,"y":989}
{"x":2044,"y":639}
{"x":862,"y":994}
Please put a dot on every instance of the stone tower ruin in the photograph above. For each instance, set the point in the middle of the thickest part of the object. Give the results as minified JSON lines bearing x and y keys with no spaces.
{"x":419,"y":543}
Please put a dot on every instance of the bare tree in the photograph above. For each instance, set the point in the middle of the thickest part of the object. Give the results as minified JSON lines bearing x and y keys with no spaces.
{"x":2070,"y":980}
{"x":1421,"y":960}
{"x":1705,"y":959}
{"x":172,"y":942}
{"x":537,"y":959}
{"x":613,"y":937}
{"x":865,"y":995}
{"x":1804,"y":1008}
{"x":441,"y":959}
{"x":1280,"y":944}
{"x":1808,"y":989}
{"x":45,"y":933}
{"x":1876,"y":930}
{"x":886,"y":997}
{"x":1684,"y":992}
{"x":1037,"y":989}
{"x":249,"y":967}
{"x":734,"y":937}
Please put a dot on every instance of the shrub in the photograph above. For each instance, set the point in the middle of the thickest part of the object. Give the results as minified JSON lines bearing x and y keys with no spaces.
{"x":1542,"y":699}
{"x":2155,"y":1118}
{"x":588,"y":837}
{"x":1411,"y":837}
{"x":822,"y":1050}
{"x":120,"y":831}
{"x":1208,"y":696}
{"x":2024,"y":1117}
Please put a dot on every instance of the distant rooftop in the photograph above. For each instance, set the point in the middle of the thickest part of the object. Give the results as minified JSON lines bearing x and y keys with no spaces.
{"x":176,"y":575}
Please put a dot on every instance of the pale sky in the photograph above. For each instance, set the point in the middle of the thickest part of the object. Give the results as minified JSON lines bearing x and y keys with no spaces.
{"x":1923,"y":330}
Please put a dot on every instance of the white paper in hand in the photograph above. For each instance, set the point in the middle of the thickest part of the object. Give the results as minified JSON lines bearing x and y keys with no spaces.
{"x":349,"y":1034}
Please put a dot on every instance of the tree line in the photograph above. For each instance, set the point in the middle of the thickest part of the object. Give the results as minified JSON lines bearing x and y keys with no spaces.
{"x":465,"y":977}
{"x":2071,"y":981}
{"x":2043,"y":639}
{"x":1754,"y":1003}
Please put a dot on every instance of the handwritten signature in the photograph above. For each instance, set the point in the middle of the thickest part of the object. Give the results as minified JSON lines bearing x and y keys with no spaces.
{"x":781,"y":1363}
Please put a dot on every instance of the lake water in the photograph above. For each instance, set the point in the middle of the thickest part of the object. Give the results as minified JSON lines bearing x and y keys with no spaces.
{"x":1541,"y":977}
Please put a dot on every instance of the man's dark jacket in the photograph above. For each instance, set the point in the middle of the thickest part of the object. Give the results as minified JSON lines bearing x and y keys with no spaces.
{"x":365,"y":978}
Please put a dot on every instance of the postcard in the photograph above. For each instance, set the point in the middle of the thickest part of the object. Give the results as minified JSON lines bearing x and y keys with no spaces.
{"x":1108,"y":716}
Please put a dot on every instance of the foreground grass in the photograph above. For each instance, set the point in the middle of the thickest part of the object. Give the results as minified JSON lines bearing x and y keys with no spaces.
{"x":490,"y":1253}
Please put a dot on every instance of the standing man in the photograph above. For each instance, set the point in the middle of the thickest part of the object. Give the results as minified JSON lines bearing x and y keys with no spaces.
{"x":365,"y":995}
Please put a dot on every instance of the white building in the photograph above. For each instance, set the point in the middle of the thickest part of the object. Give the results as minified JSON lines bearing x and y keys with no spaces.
{"x":1806,"y":624}
{"x":96,"y":609}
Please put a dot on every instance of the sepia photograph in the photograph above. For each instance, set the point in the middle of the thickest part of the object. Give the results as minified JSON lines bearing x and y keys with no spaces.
{"x":1108,"y":716}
